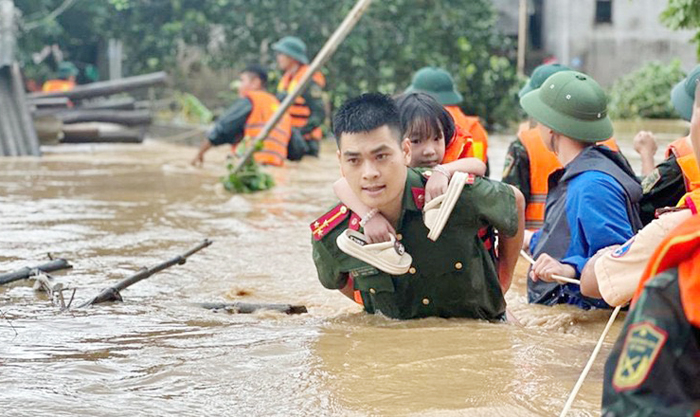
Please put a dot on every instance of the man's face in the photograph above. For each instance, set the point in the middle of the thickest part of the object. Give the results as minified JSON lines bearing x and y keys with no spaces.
{"x":427,"y":152}
{"x":284,"y":62}
{"x":374,"y":165}
{"x":248,"y":82}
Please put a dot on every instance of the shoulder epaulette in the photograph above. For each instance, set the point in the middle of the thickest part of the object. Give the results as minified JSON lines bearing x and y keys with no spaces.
{"x":329,"y":221}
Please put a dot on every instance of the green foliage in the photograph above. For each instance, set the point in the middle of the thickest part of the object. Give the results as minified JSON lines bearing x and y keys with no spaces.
{"x":250,"y":178}
{"x":683,"y":14}
{"x":645,"y":93}
{"x":192,"y":110}
{"x":391,"y":41}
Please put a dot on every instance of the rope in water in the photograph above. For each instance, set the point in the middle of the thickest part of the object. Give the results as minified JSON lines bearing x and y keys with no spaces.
{"x":596,"y":350}
{"x":589,"y":365}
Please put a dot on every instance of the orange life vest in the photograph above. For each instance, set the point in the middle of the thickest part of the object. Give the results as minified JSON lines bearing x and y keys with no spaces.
{"x":299,"y":111}
{"x":274,"y":151}
{"x":57,"y":85}
{"x":542,"y":163}
{"x":681,"y":248}
{"x":685,"y":158}
{"x":459,"y":147}
{"x":471,"y":124}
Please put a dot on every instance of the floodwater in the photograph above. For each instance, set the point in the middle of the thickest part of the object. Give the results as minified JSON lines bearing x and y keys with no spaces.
{"x":113,"y":209}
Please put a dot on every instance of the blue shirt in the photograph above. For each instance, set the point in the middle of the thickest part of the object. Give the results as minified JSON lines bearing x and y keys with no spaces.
{"x":597,"y":217}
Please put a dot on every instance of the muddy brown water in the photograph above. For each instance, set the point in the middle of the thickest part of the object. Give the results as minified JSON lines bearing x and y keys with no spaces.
{"x":113,"y":209}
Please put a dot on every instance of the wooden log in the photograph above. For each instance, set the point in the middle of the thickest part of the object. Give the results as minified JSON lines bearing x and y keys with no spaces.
{"x":26,"y":272}
{"x":113,"y":293}
{"x":124,"y":103}
{"x":100,"y":133}
{"x":248,"y":308}
{"x":106,"y":88}
{"x":51,"y":102}
{"x":122,"y":117}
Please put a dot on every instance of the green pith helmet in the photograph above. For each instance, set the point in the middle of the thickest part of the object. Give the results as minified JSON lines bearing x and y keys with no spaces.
{"x":293,"y":47}
{"x":540,"y":75}
{"x":438,"y":83}
{"x":66,"y":69}
{"x":573,"y":104}
{"x":683,"y":94}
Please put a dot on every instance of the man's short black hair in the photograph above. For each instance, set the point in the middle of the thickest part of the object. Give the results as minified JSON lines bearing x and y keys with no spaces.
{"x":257,"y":70}
{"x":422,"y":116}
{"x":365,"y":113}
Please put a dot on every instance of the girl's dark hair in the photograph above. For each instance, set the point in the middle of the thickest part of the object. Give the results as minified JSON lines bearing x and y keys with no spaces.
{"x":422,"y":116}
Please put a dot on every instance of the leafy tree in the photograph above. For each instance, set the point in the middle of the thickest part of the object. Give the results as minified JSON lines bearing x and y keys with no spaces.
{"x":683,"y":14}
{"x":645,"y":92}
{"x":392,"y":41}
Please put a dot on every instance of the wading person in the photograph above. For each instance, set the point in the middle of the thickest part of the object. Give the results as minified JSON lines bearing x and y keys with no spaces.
{"x":528,"y":162}
{"x":678,"y":173}
{"x":432,"y":137}
{"x":593,"y":200}
{"x":307,"y":111}
{"x":246,"y":118}
{"x":439,"y":83}
{"x":65,"y":78}
{"x":453,"y":276}
{"x":652,"y":369}
{"x":614,"y":273}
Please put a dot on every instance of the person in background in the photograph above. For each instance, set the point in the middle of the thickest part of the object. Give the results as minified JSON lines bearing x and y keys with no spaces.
{"x":65,"y":78}
{"x":528,"y":161}
{"x":593,"y":200}
{"x":246,"y":118}
{"x":308,"y":111}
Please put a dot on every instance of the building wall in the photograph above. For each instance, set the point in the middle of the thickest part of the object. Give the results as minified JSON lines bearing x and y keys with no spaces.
{"x":610,"y":50}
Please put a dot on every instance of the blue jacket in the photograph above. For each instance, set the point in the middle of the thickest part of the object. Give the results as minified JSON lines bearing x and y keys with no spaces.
{"x":592,"y":203}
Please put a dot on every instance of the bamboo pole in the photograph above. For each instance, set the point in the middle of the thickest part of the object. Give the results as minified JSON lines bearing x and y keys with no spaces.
{"x":323,"y":55}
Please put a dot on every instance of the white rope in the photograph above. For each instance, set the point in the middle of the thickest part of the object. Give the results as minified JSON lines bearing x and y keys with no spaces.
{"x":557,"y":277}
{"x":589,"y":365}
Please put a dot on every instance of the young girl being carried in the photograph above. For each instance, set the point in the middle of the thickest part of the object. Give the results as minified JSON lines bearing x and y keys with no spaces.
{"x":435,"y":143}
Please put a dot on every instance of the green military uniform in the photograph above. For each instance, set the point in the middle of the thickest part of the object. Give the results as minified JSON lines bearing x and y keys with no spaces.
{"x":653,"y":368}
{"x":452,"y":277}
{"x":663,"y":187}
{"x":516,"y":170}
{"x":230,"y":127}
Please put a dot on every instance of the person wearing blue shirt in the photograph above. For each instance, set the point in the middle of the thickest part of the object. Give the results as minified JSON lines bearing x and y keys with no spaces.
{"x":593,"y":202}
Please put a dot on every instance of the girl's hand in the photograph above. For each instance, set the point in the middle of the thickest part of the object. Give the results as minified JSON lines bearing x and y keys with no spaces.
{"x":436,"y":186}
{"x":378,"y":229}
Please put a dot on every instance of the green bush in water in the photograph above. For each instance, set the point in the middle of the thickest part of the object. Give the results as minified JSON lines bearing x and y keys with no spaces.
{"x":250,"y":178}
{"x":646,"y":93}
